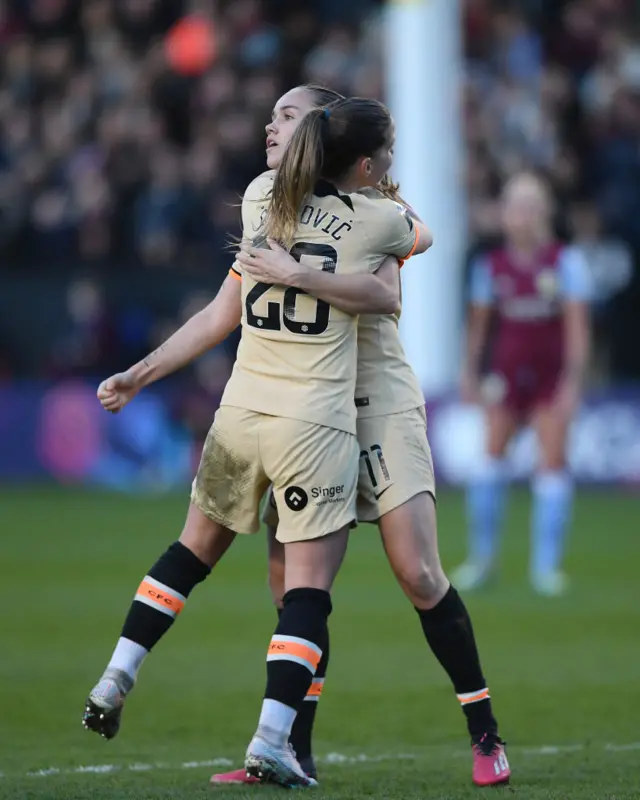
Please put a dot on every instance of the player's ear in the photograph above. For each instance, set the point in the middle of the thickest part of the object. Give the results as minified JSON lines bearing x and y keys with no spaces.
{"x":363,"y":167}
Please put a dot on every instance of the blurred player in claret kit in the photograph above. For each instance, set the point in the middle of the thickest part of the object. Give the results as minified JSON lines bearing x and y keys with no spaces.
{"x":536,"y":291}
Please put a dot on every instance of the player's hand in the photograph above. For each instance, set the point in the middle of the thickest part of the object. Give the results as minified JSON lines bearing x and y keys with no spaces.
{"x":470,"y":388}
{"x":273,"y":265}
{"x":117,"y":391}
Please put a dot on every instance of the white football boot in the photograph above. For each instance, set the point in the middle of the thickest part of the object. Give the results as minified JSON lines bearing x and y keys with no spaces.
{"x":272,"y":761}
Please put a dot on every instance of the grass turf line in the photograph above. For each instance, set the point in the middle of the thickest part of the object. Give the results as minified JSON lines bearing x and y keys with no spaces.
{"x":560,"y":671}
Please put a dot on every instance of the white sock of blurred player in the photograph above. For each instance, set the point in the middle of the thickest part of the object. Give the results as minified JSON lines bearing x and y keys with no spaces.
{"x":486,"y":499}
{"x":550,"y":520}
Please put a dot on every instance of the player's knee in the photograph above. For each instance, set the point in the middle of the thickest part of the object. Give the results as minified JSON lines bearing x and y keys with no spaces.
{"x":552,"y":461}
{"x":424,"y":584}
{"x":208,"y":540}
{"x":496,"y":452}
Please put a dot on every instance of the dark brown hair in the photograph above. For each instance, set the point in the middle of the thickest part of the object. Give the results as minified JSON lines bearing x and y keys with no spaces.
{"x":322,"y":95}
{"x":326,"y":144}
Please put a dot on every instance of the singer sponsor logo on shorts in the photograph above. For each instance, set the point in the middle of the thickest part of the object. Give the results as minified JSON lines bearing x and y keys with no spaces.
{"x":296,"y":498}
{"x":321,"y":495}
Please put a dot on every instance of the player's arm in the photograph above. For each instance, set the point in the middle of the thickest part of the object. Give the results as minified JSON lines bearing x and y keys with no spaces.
{"x":200,"y":333}
{"x":397,"y":232}
{"x":365,"y":293}
{"x":203,"y":331}
{"x":477,"y":328}
{"x":390,"y":190}
{"x":424,"y":237}
{"x":577,"y":291}
{"x":377,"y":293}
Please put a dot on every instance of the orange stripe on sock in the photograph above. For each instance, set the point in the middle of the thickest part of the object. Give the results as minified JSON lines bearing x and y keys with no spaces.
{"x":280,"y":648}
{"x":161,"y":598}
{"x":473,"y":698}
{"x":317,"y":685}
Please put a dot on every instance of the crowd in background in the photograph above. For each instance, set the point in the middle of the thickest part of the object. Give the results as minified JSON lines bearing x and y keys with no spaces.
{"x":110,"y":162}
{"x":108,"y":156}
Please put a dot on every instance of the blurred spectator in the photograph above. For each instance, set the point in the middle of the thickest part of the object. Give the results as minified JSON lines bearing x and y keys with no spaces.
{"x":88,"y":337}
{"x":611,"y":264}
{"x":158,"y":214}
{"x":609,"y":258}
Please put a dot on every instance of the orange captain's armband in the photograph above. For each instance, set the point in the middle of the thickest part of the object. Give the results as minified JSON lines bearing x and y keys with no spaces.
{"x":235,"y":274}
{"x":413,"y":249}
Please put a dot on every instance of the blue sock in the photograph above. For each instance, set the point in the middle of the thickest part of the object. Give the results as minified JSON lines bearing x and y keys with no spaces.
{"x":552,"y":509}
{"x":485,"y":510}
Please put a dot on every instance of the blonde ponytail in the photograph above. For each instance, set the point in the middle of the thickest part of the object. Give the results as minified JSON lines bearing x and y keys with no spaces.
{"x":298,"y":173}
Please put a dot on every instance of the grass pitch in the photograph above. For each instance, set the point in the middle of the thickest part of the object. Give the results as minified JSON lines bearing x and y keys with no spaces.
{"x":564,"y":674}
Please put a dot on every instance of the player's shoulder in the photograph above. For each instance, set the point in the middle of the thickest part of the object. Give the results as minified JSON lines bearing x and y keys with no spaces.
{"x":377,"y":207}
{"x":372,"y":197}
{"x":573,"y":263}
{"x":370,"y":193}
{"x":493,"y":258}
{"x":571,"y":259}
{"x":567,"y":250}
{"x":482,"y":261}
{"x":260,"y":188}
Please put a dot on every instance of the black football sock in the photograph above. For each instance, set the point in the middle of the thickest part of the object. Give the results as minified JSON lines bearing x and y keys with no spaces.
{"x":449,"y":632}
{"x":302,"y":731}
{"x":295,"y":652}
{"x":162,"y":594}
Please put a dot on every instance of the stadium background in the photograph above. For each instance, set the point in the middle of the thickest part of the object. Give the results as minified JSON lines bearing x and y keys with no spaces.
{"x":119,"y":183}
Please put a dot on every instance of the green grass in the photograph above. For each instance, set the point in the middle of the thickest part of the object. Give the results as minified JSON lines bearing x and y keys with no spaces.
{"x":562,"y":673}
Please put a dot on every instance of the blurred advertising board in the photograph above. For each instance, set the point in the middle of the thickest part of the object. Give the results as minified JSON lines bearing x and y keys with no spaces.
{"x":59,"y":432}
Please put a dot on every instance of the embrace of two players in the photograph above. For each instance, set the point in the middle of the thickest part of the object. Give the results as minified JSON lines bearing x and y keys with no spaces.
{"x":316,"y":288}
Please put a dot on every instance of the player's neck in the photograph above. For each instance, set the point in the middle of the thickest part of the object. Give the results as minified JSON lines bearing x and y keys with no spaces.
{"x":347,"y":185}
{"x":526,"y":249}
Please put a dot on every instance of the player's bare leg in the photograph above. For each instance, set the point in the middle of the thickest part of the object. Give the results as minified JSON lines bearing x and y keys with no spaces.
{"x":486,"y":502}
{"x":552,"y":489}
{"x":275,"y":556}
{"x":295,"y":651}
{"x":158,"y":601}
{"x":410,"y":539}
{"x":302,"y":731}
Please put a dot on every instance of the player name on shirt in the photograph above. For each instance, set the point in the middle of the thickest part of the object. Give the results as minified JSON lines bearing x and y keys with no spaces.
{"x":334,"y":226}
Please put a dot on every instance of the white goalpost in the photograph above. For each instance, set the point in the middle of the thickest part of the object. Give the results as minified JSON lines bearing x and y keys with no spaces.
{"x":424,"y":66}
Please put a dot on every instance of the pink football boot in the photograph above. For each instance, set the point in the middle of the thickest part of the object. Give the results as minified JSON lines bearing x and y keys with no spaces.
{"x":490,"y":765}
{"x":236,"y":777}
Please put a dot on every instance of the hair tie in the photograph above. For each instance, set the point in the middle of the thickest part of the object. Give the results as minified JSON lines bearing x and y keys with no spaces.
{"x":326,"y":113}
